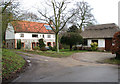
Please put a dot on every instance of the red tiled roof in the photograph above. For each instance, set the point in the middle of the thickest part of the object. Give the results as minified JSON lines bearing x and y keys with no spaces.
{"x":30,"y":27}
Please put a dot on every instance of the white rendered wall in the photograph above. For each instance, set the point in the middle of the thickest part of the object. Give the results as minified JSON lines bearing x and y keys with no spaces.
{"x":89,"y":42}
{"x":101,"y":42}
{"x":28,"y":39}
{"x":10,"y":32}
{"x":29,"y":36}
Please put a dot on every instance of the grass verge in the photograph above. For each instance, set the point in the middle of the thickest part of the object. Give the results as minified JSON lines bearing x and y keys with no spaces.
{"x":112,"y":61}
{"x":62,"y":53}
{"x":11,"y":62}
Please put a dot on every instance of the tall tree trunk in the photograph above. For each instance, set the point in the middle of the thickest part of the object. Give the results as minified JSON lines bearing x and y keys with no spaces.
{"x":70,"y":47}
{"x":57,"y":42}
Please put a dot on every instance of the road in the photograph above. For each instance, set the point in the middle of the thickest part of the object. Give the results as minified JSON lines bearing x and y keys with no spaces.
{"x":80,"y":67}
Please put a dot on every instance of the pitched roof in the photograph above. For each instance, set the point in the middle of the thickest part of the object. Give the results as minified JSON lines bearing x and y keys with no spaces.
{"x":100,"y":31}
{"x":30,"y":27}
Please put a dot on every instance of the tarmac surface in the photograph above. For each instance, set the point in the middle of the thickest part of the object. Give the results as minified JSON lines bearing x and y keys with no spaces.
{"x":80,"y":67}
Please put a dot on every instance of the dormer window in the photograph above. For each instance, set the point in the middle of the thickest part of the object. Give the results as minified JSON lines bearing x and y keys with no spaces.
{"x":35,"y":35}
{"x":21,"y":35}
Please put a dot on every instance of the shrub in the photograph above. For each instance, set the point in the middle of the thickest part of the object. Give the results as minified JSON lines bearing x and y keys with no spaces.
{"x":75,"y":48}
{"x":43,"y":49}
{"x":94,"y":46}
{"x":36,"y":48}
{"x":50,"y":47}
{"x":41,"y":43}
{"x":116,"y":45}
{"x":54,"y":48}
{"x":66,"y":46}
{"x":18,"y":44}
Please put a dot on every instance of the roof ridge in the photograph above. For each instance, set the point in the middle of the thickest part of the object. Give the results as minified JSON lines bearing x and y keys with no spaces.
{"x":103,"y":24}
{"x":29,"y":21}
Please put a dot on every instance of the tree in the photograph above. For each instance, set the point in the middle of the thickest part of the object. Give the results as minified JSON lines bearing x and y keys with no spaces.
{"x":29,"y":16}
{"x":116,"y":45}
{"x":71,"y":39}
{"x":7,"y":13}
{"x":83,"y":17}
{"x":73,"y":28}
{"x":59,"y":16}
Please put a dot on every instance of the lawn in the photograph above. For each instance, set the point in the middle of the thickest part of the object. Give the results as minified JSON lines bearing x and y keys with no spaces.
{"x":112,"y":61}
{"x":11,"y":62}
{"x":62,"y":53}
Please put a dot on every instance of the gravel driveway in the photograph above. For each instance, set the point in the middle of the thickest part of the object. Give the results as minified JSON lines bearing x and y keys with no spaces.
{"x":92,"y":57}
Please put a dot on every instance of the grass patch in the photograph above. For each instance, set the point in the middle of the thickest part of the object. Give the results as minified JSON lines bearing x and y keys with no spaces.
{"x":50,"y":53}
{"x":112,"y":61}
{"x":11,"y":62}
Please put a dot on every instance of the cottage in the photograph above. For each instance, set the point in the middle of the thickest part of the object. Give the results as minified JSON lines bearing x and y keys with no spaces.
{"x":102,"y":34}
{"x":29,"y":33}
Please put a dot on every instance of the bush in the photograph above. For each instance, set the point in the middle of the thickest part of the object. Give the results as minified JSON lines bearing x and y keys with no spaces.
{"x":43,"y":49}
{"x":94,"y":46}
{"x":50,"y":47}
{"x":18,"y":44}
{"x":66,"y":46}
{"x":54,"y":48}
{"x":41,"y":43}
{"x":116,"y":45}
{"x":36,"y":48}
{"x":76,"y":48}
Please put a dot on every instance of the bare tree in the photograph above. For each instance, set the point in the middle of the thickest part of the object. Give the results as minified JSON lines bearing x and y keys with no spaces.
{"x":83,"y":17}
{"x":29,"y":16}
{"x":7,"y":12}
{"x":59,"y":16}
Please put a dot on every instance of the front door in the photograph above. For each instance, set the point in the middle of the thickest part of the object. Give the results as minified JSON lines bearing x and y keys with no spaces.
{"x":108,"y":44}
{"x":33,"y":45}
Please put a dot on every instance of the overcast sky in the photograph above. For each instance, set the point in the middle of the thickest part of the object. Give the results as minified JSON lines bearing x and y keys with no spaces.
{"x":104,"y":11}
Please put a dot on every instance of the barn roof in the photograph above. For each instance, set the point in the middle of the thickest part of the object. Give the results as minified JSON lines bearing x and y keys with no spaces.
{"x":31,"y":27}
{"x":100,"y":31}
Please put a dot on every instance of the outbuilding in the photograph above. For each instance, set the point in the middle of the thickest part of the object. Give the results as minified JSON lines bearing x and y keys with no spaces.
{"x":102,"y":34}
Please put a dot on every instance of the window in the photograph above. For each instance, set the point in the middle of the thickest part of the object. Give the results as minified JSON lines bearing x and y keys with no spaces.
{"x":43,"y":36}
{"x":49,"y":36}
{"x":95,"y":41}
{"x":21,"y":35}
{"x":48,"y":43}
{"x":33,"y":45}
{"x":22,"y":45}
{"x":34,"y":35}
{"x":85,"y":42}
